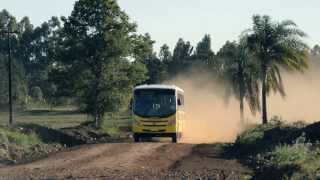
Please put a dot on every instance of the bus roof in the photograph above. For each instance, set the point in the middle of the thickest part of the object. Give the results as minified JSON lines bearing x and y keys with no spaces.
{"x":158,"y":86}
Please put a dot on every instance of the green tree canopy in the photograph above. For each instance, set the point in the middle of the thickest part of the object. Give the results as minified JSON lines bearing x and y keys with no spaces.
{"x":98,"y":38}
{"x":181,"y":58}
{"x":165,"y":54}
{"x":19,"y":82}
{"x":142,"y":47}
{"x":204,"y":52}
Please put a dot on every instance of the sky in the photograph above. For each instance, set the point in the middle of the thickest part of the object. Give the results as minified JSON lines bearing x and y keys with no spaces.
{"x":169,"y":20}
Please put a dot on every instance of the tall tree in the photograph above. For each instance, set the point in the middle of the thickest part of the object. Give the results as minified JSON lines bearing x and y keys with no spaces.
{"x":98,"y":39}
{"x":165,"y":54}
{"x":203,"y":51}
{"x":157,"y":70}
{"x":144,"y":53}
{"x":182,"y":51}
{"x":181,"y":59}
{"x":276,"y":44}
{"x":241,"y":75}
{"x":39,"y":49}
{"x":142,"y":47}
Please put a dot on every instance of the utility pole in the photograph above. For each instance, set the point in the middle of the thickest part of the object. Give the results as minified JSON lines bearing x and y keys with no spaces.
{"x":9,"y":32}
{"x":10,"y":78}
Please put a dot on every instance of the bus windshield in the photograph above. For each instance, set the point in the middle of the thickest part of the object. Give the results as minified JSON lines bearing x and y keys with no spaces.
{"x":154,"y":102}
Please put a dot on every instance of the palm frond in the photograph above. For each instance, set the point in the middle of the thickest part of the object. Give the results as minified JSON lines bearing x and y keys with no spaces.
{"x":240,"y":73}
{"x":277,"y":44}
{"x":287,"y":23}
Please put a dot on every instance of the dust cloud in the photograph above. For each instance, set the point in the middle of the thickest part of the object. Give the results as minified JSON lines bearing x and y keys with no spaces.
{"x":302,"y":100}
{"x":210,"y":119}
{"x":207,"y":116}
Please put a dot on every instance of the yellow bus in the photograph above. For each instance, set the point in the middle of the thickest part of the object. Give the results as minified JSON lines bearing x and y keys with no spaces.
{"x":158,"y":111}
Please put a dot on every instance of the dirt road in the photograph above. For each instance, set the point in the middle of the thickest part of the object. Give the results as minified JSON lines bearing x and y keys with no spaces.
{"x":131,"y":161}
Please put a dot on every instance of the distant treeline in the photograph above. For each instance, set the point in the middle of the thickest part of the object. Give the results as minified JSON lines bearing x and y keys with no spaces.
{"x":95,"y":57}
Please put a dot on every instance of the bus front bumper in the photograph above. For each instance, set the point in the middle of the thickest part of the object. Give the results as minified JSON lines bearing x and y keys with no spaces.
{"x":149,"y":135}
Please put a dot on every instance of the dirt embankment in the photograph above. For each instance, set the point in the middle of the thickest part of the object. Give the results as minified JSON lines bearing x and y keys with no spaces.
{"x":131,"y":161}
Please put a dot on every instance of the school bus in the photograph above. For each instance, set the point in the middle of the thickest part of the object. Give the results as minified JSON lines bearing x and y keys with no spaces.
{"x":158,"y":111}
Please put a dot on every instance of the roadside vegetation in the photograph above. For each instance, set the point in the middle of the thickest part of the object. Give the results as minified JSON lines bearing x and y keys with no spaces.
{"x":74,"y":76}
{"x":27,"y":142}
{"x":280,"y":150}
{"x":39,"y":132}
{"x":15,"y":144}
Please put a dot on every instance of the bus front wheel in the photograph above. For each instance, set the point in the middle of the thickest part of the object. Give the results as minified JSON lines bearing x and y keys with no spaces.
{"x":136,"y":138}
{"x":174,"y":138}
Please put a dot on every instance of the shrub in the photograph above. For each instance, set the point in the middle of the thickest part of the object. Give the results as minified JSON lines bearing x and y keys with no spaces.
{"x":113,"y":131}
{"x":110,"y":125}
{"x":21,"y":139}
{"x":299,"y":160}
{"x":296,"y":153}
{"x":264,"y":138}
{"x":254,"y":140}
{"x":16,"y":144}
{"x":281,"y":150}
{"x":255,"y":134}
{"x":25,"y":140}
{"x":4,"y":146}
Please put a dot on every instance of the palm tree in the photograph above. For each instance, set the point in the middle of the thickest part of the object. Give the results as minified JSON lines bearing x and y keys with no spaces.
{"x":276,"y":45}
{"x":240,"y":72}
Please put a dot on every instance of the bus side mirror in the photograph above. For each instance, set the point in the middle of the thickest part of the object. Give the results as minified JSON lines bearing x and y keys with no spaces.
{"x":179,"y":102}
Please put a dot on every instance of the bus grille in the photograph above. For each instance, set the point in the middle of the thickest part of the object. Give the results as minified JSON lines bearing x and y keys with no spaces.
{"x":148,"y":125}
{"x":146,"y":130}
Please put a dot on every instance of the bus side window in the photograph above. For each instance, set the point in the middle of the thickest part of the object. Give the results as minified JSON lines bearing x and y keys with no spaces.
{"x":180,"y":100}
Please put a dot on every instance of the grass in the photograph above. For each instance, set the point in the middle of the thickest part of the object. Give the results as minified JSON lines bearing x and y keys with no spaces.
{"x":113,"y":131}
{"x":22,"y":139}
{"x":63,"y":117}
{"x":263,"y":138}
{"x":280,"y":150}
{"x":300,"y":160}
{"x":42,"y":120}
{"x":16,"y":141}
{"x":116,"y":123}
{"x":287,"y":154}
{"x":57,"y":118}
{"x":40,"y":130}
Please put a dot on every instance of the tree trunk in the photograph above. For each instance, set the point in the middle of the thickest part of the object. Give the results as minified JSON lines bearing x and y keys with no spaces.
{"x":241,"y":111}
{"x":264,"y":96}
{"x":97,"y":110}
{"x":96,"y":121}
{"x":241,"y":92}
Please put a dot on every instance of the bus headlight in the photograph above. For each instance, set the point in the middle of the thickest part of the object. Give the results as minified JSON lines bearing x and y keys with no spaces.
{"x":172,"y":122}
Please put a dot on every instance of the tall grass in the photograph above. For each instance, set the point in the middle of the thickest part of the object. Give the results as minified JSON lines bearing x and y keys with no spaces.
{"x":281,"y":150}
{"x":16,"y":138}
{"x":24,"y":140}
{"x":300,"y":160}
